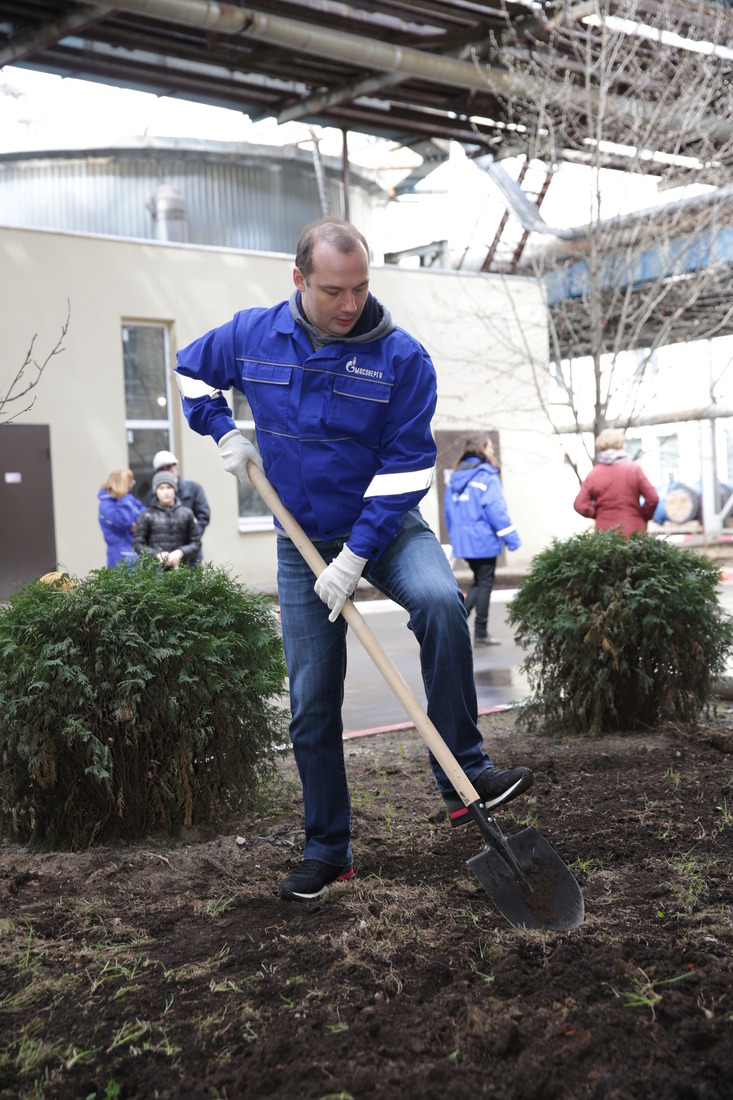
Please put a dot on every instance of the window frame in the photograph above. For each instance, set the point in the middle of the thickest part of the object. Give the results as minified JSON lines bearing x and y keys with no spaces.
{"x":263,"y":522}
{"x":162,"y":425}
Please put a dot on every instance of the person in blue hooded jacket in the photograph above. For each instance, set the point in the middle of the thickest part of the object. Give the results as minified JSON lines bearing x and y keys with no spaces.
{"x":479,"y":526}
{"x":117,"y":514}
{"x":342,"y":399}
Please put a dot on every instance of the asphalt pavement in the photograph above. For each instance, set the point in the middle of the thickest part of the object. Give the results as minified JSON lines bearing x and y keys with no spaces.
{"x":369,"y":703}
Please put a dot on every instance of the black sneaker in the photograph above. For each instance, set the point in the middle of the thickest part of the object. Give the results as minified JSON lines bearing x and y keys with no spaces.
{"x":486,"y":639}
{"x":495,"y":787}
{"x":311,"y":879}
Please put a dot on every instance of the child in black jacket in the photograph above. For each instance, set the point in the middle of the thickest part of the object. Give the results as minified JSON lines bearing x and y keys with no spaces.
{"x":167,"y":530}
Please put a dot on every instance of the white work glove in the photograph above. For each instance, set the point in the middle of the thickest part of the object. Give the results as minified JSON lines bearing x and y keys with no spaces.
{"x":236,"y":451}
{"x":339,"y":580}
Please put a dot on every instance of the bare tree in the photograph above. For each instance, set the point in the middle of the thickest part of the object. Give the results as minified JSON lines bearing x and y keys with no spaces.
{"x":630,"y":90}
{"x":29,"y":375}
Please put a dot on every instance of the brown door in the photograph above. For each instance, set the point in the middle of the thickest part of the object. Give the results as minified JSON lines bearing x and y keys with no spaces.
{"x":27,"y":532}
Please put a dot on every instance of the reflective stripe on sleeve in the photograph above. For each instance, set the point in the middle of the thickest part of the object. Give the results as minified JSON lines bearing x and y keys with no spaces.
{"x":392,"y":485}
{"x":194,"y":387}
{"x":506,"y":531}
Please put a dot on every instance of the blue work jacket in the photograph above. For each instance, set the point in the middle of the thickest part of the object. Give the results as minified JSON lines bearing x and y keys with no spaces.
{"x":476,"y":515}
{"x":344,"y":432}
{"x":117,"y":516}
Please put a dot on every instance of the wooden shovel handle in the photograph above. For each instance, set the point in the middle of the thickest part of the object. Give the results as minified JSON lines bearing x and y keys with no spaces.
{"x":389,"y":671}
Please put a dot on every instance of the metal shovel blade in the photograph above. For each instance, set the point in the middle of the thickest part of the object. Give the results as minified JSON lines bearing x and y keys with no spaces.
{"x":546,"y":897}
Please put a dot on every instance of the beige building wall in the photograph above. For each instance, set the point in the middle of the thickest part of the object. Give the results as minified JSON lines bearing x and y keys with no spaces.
{"x":482,"y":381}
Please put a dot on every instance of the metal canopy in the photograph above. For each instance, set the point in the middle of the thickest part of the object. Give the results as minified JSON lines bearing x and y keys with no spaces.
{"x":413,"y":71}
{"x":403,"y":71}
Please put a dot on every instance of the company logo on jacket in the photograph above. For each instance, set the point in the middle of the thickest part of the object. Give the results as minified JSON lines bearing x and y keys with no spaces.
{"x":352,"y":368}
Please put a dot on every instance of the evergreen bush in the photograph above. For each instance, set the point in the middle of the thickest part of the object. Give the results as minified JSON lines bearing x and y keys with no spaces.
{"x":621,"y":634}
{"x":136,"y":701}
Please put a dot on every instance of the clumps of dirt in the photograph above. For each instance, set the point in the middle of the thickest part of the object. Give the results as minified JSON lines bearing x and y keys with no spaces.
{"x":172,"y":970}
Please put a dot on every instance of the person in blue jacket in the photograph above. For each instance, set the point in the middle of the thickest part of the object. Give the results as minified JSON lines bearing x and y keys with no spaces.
{"x":342,"y":400}
{"x":118,"y":512}
{"x":479,"y":526}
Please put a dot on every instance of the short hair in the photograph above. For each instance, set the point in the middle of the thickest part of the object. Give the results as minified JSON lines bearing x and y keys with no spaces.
{"x":119,"y":482}
{"x":610,"y":439}
{"x":341,"y":234}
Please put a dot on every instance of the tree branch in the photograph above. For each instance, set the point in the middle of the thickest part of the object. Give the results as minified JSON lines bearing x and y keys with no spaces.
{"x":14,"y":393}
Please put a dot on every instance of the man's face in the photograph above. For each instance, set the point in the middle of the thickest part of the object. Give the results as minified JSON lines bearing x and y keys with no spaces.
{"x":337,"y":287}
{"x":172,"y":469}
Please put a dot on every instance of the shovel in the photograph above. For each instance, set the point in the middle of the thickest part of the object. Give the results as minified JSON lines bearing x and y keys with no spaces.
{"x":522,"y":874}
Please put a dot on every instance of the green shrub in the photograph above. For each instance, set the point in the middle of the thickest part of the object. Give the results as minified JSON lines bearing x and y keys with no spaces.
{"x":137,"y":700}
{"x":621,"y":634}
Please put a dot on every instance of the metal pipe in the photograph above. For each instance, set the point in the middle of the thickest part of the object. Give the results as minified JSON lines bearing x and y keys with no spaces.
{"x":530,"y":218}
{"x":168,"y":207}
{"x":340,"y":46}
{"x":320,"y":176}
{"x":318,"y":101}
{"x":24,"y":45}
{"x":345,"y":173}
{"x":314,"y":104}
{"x":364,"y":52}
{"x":711,"y":413}
{"x":367,"y":53}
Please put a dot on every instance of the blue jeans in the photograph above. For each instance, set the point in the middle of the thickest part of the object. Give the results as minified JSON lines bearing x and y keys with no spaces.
{"x":414,"y":572}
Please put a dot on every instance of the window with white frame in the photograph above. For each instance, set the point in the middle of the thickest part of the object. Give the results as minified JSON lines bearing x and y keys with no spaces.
{"x":254,"y":515}
{"x":145,"y":356}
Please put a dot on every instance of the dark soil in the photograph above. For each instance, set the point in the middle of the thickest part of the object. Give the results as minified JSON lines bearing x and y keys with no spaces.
{"x":171,"y":969}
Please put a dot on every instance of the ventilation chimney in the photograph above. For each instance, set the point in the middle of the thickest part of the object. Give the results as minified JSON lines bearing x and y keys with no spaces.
{"x":168,"y":208}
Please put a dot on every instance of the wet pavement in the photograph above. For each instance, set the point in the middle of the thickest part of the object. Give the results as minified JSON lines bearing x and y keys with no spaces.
{"x":370,"y":704}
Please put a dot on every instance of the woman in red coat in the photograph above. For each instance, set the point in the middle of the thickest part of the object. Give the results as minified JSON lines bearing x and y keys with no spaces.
{"x":616,"y":492}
